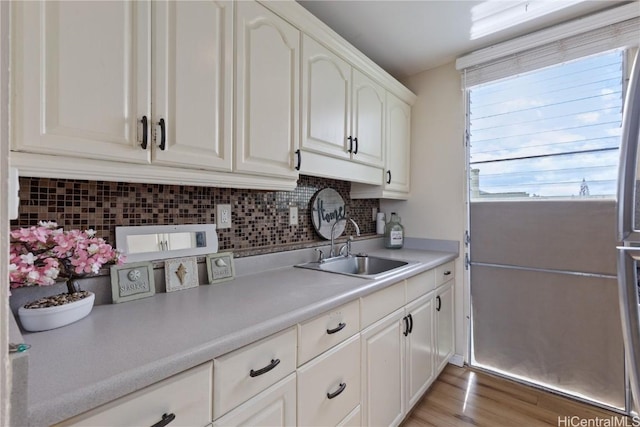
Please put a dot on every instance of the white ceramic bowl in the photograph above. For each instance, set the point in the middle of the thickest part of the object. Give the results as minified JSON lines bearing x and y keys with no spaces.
{"x":43,"y":319}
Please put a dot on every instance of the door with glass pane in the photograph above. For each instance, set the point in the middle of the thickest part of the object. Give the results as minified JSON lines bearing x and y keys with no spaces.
{"x":543,"y":156}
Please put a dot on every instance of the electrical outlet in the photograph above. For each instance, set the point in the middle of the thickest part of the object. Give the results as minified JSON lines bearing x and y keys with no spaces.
{"x":293,"y":215}
{"x":374,"y":214}
{"x":223,"y":217}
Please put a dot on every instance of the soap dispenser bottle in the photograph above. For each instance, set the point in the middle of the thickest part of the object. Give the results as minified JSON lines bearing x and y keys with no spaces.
{"x":393,"y":233}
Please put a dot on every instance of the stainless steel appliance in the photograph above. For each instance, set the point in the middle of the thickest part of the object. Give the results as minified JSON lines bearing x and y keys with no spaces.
{"x":629,"y":231}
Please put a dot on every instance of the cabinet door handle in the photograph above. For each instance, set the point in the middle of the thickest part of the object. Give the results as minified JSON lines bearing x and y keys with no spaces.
{"x":406,"y":325}
{"x":356,"y":141}
{"x":270,"y":366}
{"x":166,"y":419}
{"x":340,"y":327}
{"x":163,"y":135}
{"x":337,"y":392}
{"x":145,"y":132}
{"x":350,"y":139}
{"x":438,"y":303}
{"x":388,"y":177}
{"x":410,"y":323}
{"x":299,"y":160}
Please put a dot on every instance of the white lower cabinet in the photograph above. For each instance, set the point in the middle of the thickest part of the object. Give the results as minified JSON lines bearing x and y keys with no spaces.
{"x":420,"y":349}
{"x":329,"y":385}
{"x":444,"y":324}
{"x":276,"y":406}
{"x":383,"y":353}
{"x":185,"y":397}
{"x":345,"y":376}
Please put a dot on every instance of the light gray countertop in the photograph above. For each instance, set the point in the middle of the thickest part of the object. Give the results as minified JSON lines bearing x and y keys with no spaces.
{"x":122,"y":348}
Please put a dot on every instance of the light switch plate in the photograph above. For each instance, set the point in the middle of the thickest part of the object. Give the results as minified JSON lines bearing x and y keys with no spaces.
{"x":220,"y":267}
{"x":223,"y":216}
{"x":293,"y":215}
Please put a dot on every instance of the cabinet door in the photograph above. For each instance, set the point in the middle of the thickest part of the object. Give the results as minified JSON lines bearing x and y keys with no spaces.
{"x":81,"y":78}
{"x":267,"y":88}
{"x":192,"y":83}
{"x":397,"y":145}
{"x":367,"y":122}
{"x":420,"y":348}
{"x":276,"y":406}
{"x":444,"y":324}
{"x":326,"y":80}
{"x":383,"y":388}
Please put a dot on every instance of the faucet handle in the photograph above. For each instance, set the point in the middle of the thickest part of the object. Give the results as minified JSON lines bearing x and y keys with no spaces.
{"x":320,"y":255}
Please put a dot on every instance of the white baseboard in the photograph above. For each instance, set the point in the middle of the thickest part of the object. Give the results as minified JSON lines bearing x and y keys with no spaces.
{"x":457,"y":360}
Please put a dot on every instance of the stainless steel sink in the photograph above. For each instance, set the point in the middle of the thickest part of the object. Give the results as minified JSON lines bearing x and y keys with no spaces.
{"x":368,"y":267}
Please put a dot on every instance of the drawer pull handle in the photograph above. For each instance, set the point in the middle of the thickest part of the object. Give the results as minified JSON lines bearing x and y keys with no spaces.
{"x":447,"y":273}
{"x":337,"y":329}
{"x":299,"y":160}
{"x":405,"y":319}
{"x":163,"y":135}
{"x":337,"y":392}
{"x":145,"y":132}
{"x":166,"y":419}
{"x":410,"y":323}
{"x":270,"y":366}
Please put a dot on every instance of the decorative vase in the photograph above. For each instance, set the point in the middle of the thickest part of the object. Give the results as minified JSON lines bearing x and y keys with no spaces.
{"x":45,"y":318}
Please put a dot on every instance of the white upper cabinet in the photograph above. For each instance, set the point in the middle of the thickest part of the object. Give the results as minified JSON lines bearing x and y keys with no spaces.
{"x":81,"y":78}
{"x":397,"y":172}
{"x":192,"y":85}
{"x":367,"y":122}
{"x":326,"y":96}
{"x":342,"y":109}
{"x":238,"y":94}
{"x":267,"y":92}
{"x":85,"y":85}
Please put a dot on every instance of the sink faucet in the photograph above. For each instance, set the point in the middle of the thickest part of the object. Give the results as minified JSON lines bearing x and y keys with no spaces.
{"x":332,"y":252}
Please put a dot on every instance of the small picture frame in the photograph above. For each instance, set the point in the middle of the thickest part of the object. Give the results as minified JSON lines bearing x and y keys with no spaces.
{"x":220,"y":267}
{"x":181,"y":273}
{"x":132,"y":281}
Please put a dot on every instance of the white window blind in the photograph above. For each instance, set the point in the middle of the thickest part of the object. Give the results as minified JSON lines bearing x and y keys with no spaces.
{"x":544,"y":121}
{"x":618,"y":35}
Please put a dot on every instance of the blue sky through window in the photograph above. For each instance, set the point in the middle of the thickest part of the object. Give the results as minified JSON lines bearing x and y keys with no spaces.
{"x":550,"y":132}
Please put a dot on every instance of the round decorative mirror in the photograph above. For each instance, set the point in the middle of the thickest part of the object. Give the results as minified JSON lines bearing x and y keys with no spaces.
{"x":327,"y":206}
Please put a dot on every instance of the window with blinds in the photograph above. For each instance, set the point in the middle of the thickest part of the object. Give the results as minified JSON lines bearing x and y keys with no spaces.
{"x":549,"y":133}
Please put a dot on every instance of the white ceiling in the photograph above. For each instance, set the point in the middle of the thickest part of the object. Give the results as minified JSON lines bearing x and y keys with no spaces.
{"x":406,"y":37}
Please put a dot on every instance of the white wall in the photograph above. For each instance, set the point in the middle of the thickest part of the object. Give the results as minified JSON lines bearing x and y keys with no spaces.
{"x":436,"y":209}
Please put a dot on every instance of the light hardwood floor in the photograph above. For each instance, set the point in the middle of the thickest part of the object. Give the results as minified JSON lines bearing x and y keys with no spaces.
{"x":464,"y":397}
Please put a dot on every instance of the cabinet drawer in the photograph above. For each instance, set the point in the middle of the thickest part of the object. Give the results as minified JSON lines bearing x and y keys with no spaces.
{"x":320,"y":334}
{"x":338,"y":369}
{"x":377,"y":305}
{"x":186,"y":395}
{"x":420,"y":284}
{"x":276,"y":406}
{"x":445,"y":272}
{"x":352,"y":420}
{"x":241,"y":374}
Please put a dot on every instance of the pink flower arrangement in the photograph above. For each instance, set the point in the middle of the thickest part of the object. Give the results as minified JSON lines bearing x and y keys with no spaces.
{"x":41,"y":254}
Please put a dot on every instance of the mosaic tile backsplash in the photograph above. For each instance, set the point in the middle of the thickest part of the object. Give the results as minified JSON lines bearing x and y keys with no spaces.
{"x":260,"y":218}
